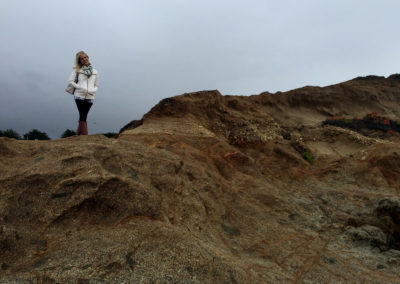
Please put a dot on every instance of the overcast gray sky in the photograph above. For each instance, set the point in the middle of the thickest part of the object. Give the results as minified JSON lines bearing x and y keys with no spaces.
{"x":151,"y":49}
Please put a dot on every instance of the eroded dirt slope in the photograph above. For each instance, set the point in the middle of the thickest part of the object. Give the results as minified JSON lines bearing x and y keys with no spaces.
{"x":210,"y":189}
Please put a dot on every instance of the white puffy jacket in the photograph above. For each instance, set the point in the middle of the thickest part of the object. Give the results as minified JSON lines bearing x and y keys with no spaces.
{"x":86,"y":86}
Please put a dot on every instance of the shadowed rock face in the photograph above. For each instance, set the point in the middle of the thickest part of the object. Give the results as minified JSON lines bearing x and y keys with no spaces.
{"x":211,"y":189}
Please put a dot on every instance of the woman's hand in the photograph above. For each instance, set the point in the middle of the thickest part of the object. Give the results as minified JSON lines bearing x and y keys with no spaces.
{"x":92,"y":90}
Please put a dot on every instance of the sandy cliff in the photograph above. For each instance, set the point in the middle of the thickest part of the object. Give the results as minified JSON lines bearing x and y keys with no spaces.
{"x":211,"y":189}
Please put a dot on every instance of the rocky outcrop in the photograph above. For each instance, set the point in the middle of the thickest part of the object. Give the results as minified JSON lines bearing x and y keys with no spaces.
{"x":211,"y":189}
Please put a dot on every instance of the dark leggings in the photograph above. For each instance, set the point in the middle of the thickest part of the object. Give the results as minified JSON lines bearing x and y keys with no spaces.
{"x":83,"y":107}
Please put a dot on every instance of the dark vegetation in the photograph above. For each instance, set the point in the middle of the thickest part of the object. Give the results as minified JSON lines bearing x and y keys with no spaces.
{"x":299,"y":147}
{"x":369,"y":121}
{"x":31,"y":135}
{"x":111,"y":135}
{"x":35,"y":134}
{"x":9,"y":133}
{"x":305,"y":153}
{"x":68,"y":133}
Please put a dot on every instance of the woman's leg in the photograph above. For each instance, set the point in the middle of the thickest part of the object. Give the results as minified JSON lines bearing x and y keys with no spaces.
{"x":78,"y":130}
{"x":79,"y":105}
{"x":83,"y":108}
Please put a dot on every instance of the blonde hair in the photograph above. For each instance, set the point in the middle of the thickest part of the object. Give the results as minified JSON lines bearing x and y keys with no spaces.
{"x":78,"y":64}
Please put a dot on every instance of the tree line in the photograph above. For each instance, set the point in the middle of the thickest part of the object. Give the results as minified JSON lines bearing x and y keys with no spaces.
{"x":35,"y":134}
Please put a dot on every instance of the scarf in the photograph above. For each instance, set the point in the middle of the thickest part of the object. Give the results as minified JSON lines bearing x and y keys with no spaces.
{"x":87,"y":70}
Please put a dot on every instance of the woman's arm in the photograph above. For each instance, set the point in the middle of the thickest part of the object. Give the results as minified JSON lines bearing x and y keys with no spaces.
{"x":96,"y":82}
{"x":96,"y":85}
{"x":71,"y":80}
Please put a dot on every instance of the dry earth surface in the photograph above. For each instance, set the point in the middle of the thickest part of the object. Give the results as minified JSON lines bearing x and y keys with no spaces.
{"x":209,"y":189}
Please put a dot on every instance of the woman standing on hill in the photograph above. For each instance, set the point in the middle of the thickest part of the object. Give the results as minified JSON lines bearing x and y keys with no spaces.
{"x":84,"y":78}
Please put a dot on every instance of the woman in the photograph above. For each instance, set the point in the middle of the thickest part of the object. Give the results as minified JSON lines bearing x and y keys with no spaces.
{"x":84,"y":78}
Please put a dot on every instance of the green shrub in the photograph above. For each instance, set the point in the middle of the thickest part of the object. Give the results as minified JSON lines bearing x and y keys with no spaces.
{"x":369,"y":121}
{"x":68,"y":133}
{"x":303,"y":152}
{"x":10,"y":133}
{"x":307,"y":156}
{"x":36,"y":134}
{"x":111,"y":134}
